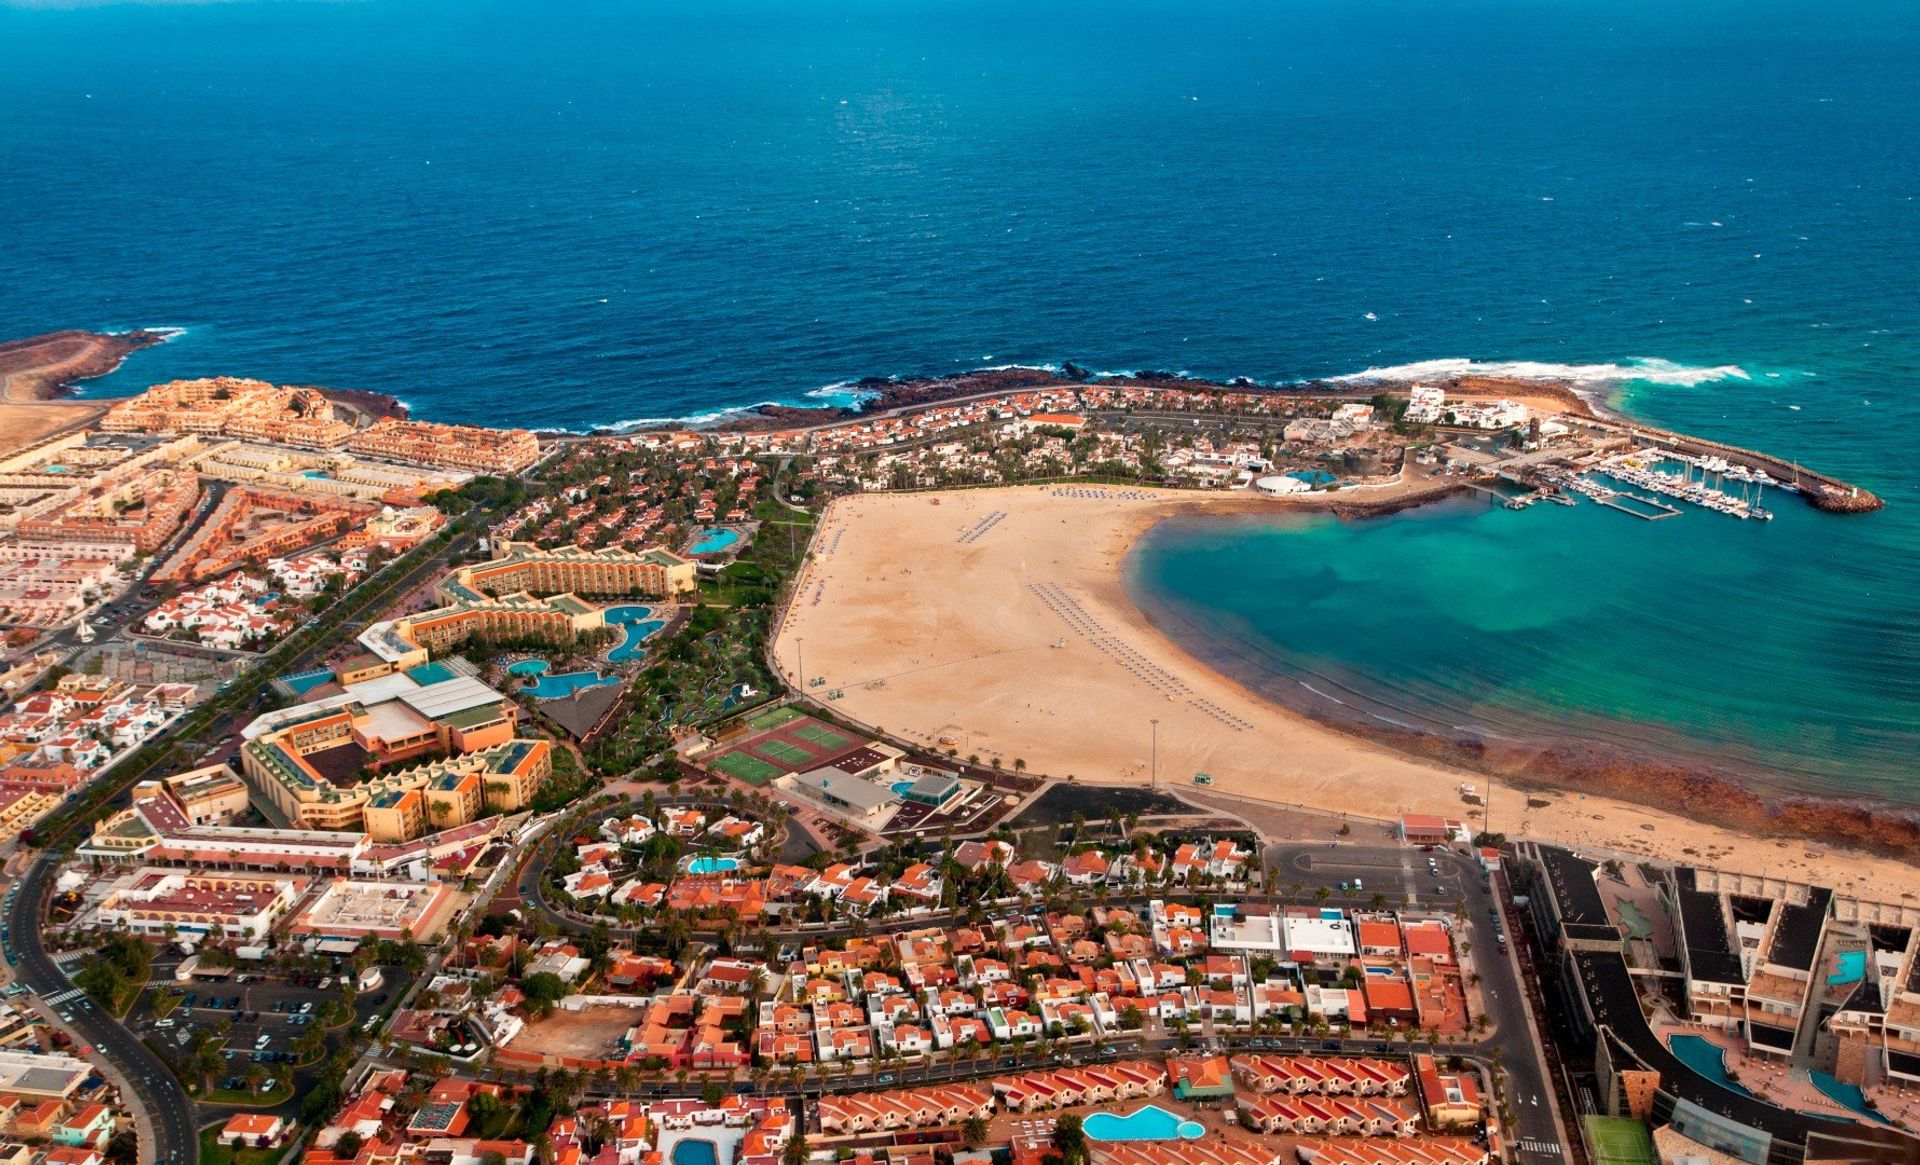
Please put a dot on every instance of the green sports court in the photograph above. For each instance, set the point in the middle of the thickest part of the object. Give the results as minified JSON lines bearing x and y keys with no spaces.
{"x":779,"y":741}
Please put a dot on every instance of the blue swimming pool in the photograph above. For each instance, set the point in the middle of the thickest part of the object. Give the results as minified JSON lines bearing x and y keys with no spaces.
{"x":305,"y":681}
{"x":554,"y":687}
{"x":1849,"y":967}
{"x":714,"y":541}
{"x":1313,"y":476}
{"x":1151,"y":1123}
{"x":900,"y":788}
{"x":636,"y":627}
{"x":695,"y":1151}
{"x":711,"y":865}
{"x":528,"y":667}
{"x":1705,"y":1057}
{"x":1846,"y":1096}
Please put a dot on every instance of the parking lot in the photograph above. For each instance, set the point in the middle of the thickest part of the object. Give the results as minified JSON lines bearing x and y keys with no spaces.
{"x":258,"y":1020}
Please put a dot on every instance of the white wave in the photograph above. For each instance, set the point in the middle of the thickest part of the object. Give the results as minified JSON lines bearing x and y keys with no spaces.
{"x":1316,"y":691}
{"x":1053,"y":368}
{"x":846,"y":393}
{"x":1645,"y":368}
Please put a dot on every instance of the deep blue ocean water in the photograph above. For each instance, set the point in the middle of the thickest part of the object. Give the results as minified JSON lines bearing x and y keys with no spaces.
{"x":517,"y":214}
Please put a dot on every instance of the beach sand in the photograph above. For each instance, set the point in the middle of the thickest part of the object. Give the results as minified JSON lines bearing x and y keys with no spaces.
{"x":922,"y":610}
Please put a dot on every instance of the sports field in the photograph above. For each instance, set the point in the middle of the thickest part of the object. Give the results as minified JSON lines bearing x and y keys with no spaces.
{"x":781,"y":740}
{"x":774,"y":718}
{"x":1619,"y":1140}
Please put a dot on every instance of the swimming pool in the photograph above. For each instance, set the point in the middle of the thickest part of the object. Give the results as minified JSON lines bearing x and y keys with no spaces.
{"x":1151,"y":1123}
{"x":1846,"y":1096}
{"x":710,"y":865}
{"x":1705,"y":1057}
{"x":900,"y":788}
{"x":305,"y":681}
{"x":636,"y":627}
{"x":695,"y":1151}
{"x":554,"y":687}
{"x":1315,"y":477}
{"x":714,"y":541}
{"x":528,"y":667}
{"x":1849,"y":967}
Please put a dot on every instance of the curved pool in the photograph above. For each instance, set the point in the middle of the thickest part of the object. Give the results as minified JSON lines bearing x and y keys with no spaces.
{"x":556,"y":687}
{"x":635,"y":629}
{"x":1705,"y":1057}
{"x":714,"y":541}
{"x":528,"y":667}
{"x":710,"y":865}
{"x":1151,"y":1123}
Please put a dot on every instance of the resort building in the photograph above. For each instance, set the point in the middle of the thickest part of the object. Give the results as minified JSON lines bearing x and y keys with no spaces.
{"x":520,"y":566}
{"x":500,"y":599}
{"x":348,"y":908}
{"x":322,"y":764}
{"x":497,"y":451}
{"x":234,"y":406}
{"x":255,"y":524}
{"x":141,"y":511}
{"x":163,"y":903}
{"x":213,"y":795}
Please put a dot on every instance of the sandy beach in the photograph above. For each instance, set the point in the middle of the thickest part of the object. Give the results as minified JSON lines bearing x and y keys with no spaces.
{"x":995,"y":622}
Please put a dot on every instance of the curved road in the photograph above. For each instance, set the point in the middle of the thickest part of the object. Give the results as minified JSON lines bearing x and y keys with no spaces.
{"x":176,"y":1137}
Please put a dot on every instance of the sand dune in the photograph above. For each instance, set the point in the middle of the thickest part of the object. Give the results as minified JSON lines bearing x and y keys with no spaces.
{"x":994,"y":622}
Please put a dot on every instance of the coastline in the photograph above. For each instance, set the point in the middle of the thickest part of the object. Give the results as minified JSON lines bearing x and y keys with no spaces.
{"x":1742,"y":797}
{"x":936,"y":640}
{"x":38,"y":372}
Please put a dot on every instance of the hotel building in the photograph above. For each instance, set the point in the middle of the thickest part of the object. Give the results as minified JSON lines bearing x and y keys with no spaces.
{"x":155,"y":902}
{"x":499,"y":451}
{"x":501,"y":599}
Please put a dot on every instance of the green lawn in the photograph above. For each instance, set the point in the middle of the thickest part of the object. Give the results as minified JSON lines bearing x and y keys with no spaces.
{"x":281,"y":1091}
{"x":214,"y":1151}
{"x":1619,"y":1140}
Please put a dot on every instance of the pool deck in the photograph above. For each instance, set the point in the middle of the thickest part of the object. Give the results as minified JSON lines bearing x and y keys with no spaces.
{"x":1770,"y":1079}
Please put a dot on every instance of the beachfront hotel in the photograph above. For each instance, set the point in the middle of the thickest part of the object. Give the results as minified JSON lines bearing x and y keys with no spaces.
{"x":521,"y":566}
{"x":503,"y":599}
{"x":452,"y":446}
{"x":233,"y":406}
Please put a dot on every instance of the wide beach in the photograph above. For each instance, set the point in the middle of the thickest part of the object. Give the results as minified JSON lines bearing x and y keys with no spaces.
{"x":995,"y":622}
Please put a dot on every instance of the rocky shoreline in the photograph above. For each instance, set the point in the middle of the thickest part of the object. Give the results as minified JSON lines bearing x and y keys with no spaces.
{"x":52,"y":365}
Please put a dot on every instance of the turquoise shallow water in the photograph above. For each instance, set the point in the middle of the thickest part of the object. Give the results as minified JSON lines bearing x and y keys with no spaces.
{"x":1783,"y":650}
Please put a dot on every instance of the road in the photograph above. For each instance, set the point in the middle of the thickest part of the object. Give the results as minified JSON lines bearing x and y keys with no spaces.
{"x":176,"y":1139}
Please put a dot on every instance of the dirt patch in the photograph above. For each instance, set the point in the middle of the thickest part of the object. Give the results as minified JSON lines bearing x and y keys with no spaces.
{"x":592,"y":1034}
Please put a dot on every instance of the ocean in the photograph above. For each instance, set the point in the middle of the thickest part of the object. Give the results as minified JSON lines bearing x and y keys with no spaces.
{"x":629,"y":212}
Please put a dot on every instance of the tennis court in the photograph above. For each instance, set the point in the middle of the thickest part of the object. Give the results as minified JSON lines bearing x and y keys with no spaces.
{"x":744,"y":767}
{"x":774,"y":717}
{"x":780,"y":750}
{"x":820,"y":734}
{"x":1619,"y":1140}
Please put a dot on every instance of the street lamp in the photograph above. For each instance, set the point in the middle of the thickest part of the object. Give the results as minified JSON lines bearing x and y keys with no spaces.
{"x":800,"y":649}
{"x":1154,"y":779}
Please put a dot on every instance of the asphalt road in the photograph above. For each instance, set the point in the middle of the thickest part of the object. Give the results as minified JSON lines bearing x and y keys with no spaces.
{"x":165,"y":1101}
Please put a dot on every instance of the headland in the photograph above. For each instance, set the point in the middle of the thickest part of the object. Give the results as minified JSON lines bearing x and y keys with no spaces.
{"x":37,"y":371}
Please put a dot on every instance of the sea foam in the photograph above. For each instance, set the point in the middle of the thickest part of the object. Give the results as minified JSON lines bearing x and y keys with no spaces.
{"x":1647,"y":368}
